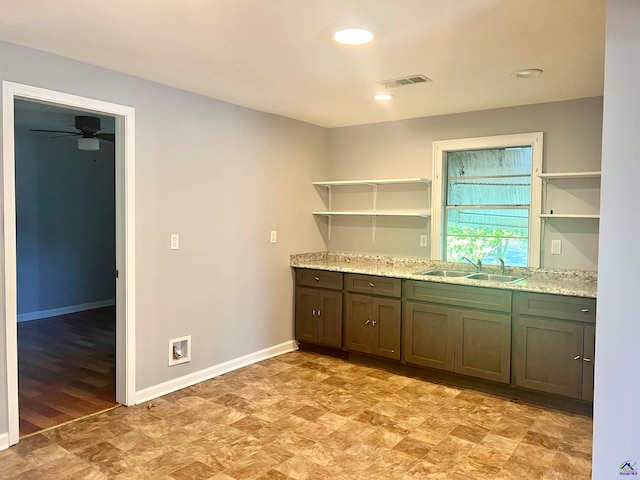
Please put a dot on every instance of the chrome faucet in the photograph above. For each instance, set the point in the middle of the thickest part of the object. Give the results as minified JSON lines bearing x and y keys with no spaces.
{"x":501,"y":260}
{"x":477,"y":266}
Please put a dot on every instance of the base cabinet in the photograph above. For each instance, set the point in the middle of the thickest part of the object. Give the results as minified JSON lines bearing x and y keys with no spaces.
{"x":555,"y":344}
{"x":555,"y":357}
{"x":429,"y":336}
{"x":442,"y":329}
{"x":373,"y":323}
{"x":483,"y":345}
{"x":318,"y":317}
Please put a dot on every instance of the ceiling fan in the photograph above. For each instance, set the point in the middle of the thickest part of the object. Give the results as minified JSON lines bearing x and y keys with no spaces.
{"x":88,"y":130}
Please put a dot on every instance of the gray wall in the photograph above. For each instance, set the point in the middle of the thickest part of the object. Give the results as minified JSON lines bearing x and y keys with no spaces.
{"x":222,"y":177}
{"x":572,"y":142}
{"x":616,"y":420}
{"x":65,"y":211}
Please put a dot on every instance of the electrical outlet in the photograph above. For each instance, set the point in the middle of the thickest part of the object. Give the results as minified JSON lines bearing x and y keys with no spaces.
{"x":424,"y":240}
{"x":556,"y":247}
{"x":175,"y":241}
{"x":273,"y":236}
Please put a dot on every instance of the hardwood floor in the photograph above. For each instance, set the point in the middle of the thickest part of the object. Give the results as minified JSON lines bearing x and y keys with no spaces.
{"x":66,"y":368}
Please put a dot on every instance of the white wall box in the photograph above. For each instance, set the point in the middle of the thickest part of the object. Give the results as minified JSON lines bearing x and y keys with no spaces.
{"x":179,"y":350}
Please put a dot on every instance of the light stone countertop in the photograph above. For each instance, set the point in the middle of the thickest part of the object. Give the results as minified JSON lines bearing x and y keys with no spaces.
{"x":576,"y":283}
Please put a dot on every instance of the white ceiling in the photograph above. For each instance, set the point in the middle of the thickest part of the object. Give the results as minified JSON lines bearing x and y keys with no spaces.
{"x":278,"y":55}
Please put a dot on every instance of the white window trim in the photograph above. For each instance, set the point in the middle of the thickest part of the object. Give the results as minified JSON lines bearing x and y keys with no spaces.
{"x":440,"y":148}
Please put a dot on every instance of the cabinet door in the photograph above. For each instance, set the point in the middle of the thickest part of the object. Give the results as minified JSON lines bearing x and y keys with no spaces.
{"x":330,"y":318}
{"x":588,"y":359}
{"x":306,"y":318}
{"x":358,"y":318}
{"x":549,"y":356}
{"x":428,"y":336}
{"x":386,"y":328}
{"x":483,"y":345}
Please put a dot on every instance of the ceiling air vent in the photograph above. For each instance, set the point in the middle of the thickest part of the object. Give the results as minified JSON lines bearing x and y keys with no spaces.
{"x":410,"y":80}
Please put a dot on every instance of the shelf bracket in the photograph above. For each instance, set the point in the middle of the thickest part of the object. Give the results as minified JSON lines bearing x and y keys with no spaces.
{"x":375,"y":195}
{"x":330,"y":189}
{"x":373,"y":228}
{"x":329,"y":219}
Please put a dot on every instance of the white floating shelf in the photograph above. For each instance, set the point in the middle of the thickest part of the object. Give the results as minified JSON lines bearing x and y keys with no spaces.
{"x":569,"y":215}
{"x":551,"y":176}
{"x":376,"y":214}
{"x":383,"y":181}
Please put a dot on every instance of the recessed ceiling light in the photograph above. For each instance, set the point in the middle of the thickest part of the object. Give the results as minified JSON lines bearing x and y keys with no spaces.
{"x":353,"y":36}
{"x":527,"y":73}
{"x":383,"y":96}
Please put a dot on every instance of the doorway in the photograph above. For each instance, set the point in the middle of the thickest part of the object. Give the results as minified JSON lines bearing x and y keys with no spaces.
{"x":65,"y":260}
{"x":124,"y":239}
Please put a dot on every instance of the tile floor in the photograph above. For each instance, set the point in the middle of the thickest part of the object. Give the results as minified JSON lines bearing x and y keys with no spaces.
{"x":306,"y":416}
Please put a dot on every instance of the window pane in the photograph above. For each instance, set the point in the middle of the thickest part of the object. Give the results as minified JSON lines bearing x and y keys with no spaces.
{"x":489,"y":191}
{"x":491,"y":162}
{"x":488,"y":234}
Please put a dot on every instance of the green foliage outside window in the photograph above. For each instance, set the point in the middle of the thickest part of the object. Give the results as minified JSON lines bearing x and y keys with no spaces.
{"x":483,"y":242}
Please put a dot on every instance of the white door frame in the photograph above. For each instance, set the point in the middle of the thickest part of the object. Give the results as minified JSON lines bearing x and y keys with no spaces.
{"x":125,"y":239}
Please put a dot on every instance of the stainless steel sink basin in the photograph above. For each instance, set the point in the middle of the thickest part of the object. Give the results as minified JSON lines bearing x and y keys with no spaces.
{"x":495,"y":278}
{"x":444,"y":273}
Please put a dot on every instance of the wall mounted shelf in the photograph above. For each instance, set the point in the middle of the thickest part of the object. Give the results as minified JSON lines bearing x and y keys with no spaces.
{"x":374,"y":213}
{"x":568,"y":215}
{"x":568,"y":182}
{"x":568,"y":175}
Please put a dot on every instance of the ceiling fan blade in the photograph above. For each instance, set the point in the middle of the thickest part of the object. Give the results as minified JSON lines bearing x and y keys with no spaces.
{"x":55,"y":131}
{"x":68,"y":135}
{"x":108,"y":137}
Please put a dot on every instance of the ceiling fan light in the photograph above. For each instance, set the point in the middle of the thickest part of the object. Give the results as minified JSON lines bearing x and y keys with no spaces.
{"x":89,"y":144}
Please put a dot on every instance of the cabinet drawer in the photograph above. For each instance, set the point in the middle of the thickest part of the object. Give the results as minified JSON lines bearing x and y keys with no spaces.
{"x":319,"y":278}
{"x":459,"y":295}
{"x":557,"y":306}
{"x":388,"y":287}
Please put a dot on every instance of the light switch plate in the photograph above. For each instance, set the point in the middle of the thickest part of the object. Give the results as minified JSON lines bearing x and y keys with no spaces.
{"x":424,"y":241}
{"x":273,"y":236}
{"x":556,"y":247}
{"x":175,"y":241}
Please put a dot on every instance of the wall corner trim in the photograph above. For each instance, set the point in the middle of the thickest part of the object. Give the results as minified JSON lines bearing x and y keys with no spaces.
{"x":179,"y":383}
{"x":4,"y":441}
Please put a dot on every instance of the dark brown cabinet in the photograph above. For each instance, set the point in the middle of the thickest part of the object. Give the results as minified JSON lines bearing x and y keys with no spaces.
{"x":429,"y":336}
{"x":555,"y":344}
{"x":444,"y":334}
{"x":372,"y":322}
{"x":318,"y":317}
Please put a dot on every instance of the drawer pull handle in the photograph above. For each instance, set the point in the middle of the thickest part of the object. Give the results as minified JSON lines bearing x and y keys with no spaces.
{"x":577,"y":357}
{"x":393,"y":351}
{"x":313,"y":312}
{"x":367,"y":322}
{"x":374,"y":323}
{"x":372,"y":284}
{"x":585,"y":310}
{"x":588,"y":360}
{"x":317,"y":279}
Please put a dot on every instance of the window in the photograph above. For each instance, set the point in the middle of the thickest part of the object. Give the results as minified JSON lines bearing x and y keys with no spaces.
{"x":486,"y":196}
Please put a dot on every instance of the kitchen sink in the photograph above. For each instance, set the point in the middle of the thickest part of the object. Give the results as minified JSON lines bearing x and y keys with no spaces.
{"x":495,"y":278}
{"x":445,"y":273}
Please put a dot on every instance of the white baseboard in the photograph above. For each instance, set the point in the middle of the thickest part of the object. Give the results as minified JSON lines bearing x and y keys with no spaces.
{"x":25,"y":317}
{"x":4,"y":441}
{"x":179,"y":383}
